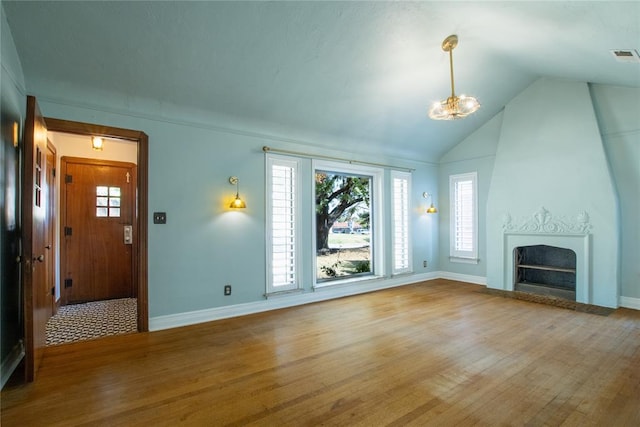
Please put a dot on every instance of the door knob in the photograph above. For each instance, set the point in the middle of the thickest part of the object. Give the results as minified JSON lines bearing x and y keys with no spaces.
{"x":48,"y":247}
{"x":40,"y":258}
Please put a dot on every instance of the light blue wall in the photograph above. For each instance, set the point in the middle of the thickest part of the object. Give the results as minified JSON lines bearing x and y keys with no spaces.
{"x":204,"y":245}
{"x":618,"y":117}
{"x":475,"y":154}
{"x":618,"y":112}
{"x":11,"y":66}
{"x":192,"y":153}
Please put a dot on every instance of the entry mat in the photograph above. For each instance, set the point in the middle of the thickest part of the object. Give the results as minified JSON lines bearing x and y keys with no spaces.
{"x":550,"y":300}
{"x":91,"y":320}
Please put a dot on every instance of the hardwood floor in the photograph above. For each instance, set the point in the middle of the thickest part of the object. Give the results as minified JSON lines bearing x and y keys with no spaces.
{"x":435,"y":353}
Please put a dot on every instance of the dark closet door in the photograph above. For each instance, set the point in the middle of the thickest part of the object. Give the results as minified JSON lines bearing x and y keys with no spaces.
{"x":11,"y":310}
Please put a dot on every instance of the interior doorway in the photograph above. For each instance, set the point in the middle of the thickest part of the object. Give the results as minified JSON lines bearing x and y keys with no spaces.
{"x":116,"y":267}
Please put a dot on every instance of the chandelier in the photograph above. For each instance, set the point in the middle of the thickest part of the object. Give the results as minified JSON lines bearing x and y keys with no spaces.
{"x":454,"y":107}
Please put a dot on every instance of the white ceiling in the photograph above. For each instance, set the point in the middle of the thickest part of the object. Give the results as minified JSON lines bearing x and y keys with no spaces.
{"x":363,"y":73}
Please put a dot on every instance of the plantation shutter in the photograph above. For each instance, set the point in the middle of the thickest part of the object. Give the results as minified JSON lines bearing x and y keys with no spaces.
{"x":463,"y":216}
{"x":283,"y":246}
{"x":401,"y":244}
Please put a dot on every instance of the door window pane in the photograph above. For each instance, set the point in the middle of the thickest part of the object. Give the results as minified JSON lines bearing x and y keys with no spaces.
{"x":107,"y":196}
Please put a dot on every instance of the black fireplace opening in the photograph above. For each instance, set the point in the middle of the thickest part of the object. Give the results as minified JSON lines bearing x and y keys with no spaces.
{"x":545,"y":270}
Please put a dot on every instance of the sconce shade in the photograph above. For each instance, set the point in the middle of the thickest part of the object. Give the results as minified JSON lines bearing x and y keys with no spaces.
{"x":237,"y":203}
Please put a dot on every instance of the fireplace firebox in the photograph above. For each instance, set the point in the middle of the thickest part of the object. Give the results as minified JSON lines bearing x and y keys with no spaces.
{"x":545,"y":270}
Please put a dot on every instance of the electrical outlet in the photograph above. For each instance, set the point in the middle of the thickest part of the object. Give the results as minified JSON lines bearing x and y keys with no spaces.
{"x":227,"y":289}
{"x":424,"y":263}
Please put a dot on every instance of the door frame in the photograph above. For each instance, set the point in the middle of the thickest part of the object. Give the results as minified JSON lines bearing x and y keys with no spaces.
{"x":141,"y":199}
{"x":51,"y":220}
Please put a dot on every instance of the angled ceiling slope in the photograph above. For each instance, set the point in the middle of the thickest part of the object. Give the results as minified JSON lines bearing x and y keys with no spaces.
{"x":323,"y":72}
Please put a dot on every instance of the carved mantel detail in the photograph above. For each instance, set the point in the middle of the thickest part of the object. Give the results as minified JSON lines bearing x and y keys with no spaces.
{"x":543,"y":222}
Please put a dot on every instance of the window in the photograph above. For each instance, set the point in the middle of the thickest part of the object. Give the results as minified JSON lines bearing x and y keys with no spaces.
{"x":108,"y":201}
{"x":348,"y":222}
{"x":282,"y":224}
{"x":401,"y":188}
{"x":38,"y":178}
{"x":464,"y":217}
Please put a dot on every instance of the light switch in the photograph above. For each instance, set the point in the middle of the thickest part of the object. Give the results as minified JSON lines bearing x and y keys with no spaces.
{"x":159,"y":217}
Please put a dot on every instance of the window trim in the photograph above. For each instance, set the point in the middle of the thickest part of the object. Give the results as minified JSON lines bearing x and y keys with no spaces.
{"x":395,"y":174}
{"x":455,"y":255}
{"x":294,"y":163}
{"x":377,"y":218}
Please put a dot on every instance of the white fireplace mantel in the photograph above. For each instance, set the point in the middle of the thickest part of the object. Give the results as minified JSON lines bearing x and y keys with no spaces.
{"x":542,"y":228}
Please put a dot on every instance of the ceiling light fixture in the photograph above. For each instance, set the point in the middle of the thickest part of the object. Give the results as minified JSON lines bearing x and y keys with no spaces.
{"x":454,"y":107}
{"x":97,"y":143}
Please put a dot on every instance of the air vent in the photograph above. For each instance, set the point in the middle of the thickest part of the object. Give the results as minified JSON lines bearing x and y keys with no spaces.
{"x":626,"y":55}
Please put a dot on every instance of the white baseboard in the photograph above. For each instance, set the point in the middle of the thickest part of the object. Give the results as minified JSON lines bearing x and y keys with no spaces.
{"x":630,"y":302}
{"x":478,"y":280}
{"x":10,"y":363}
{"x":320,"y":294}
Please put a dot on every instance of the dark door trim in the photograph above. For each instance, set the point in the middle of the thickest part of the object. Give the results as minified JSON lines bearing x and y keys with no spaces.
{"x":51,"y":225}
{"x":140,"y":258}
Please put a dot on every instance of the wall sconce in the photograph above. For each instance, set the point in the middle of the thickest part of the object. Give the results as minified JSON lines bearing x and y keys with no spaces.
{"x":431,"y":209}
{"x":237,"y":203}
{"x":16,"y":134}
{"x":97,"y":143}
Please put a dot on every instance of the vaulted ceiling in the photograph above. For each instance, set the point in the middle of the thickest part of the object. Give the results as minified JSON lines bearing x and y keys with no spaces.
{"x":362,"y":73}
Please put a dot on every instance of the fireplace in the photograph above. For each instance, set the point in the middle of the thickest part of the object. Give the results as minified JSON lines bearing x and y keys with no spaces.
{"x":557,"y":256}
{"x":545,"y":270}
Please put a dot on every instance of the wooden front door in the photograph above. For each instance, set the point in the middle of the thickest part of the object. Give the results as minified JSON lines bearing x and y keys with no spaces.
{"x":98,"y":230}
{"x":37,"y":297}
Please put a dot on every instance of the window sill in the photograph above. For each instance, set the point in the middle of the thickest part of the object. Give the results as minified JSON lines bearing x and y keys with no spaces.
{"x":402,"y":273}
{"x":462,"y":260}
{"x":345,"y":282}
{"x":283,"y":293}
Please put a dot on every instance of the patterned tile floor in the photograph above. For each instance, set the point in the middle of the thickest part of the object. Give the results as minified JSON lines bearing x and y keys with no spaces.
{"x":90,"y":320}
